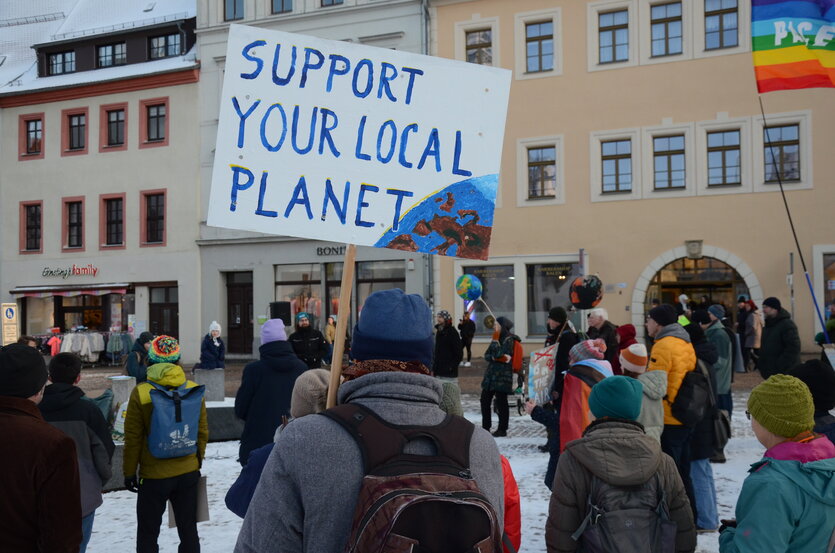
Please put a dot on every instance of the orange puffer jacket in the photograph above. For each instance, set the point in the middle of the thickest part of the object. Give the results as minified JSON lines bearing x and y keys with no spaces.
{"x":673,"y":353}
{"x":512,"y":510}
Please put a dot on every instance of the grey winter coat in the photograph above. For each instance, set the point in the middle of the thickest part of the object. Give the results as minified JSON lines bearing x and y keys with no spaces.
{"x":306,"y":497}
{"x":652,"y":407}
{"x":717,"y":336}
{"x":620,"y":454}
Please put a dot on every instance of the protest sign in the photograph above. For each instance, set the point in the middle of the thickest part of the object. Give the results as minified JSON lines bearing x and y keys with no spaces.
{"x":541,"y":374}
{"x":338,"y":141}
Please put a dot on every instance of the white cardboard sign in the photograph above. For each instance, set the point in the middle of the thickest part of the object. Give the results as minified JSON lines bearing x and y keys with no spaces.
{"x":343,"y":142}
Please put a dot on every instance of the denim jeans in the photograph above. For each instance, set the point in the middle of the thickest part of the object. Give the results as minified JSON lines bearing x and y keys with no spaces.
{"x":675,"y":442}
{"x":701,"y":474}
{"x":86,"y":530}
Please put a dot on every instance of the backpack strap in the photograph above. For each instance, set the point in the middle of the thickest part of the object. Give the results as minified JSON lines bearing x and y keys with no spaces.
{"x":380,"y":441}
{"x":594,"y":512}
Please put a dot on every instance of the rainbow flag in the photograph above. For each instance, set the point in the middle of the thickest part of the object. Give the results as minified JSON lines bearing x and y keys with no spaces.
{"x":793,"y":43}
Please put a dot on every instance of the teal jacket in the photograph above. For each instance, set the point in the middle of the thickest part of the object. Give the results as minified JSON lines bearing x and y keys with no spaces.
{"x":787,"y":503}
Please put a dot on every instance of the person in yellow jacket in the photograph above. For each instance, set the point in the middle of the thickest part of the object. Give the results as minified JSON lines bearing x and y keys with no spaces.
{"x":672,"y":353}
{"x":159,"y":480}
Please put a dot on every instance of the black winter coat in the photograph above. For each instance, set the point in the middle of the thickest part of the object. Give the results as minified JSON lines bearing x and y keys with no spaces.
{"x":310,"y":346}
{"x":448,"y":352}
{"x":702,"y":440}
{"x":780,"y":345}
{"x":212,"y":356}
{"x":608,"y":332}
{"x":264,"y":395}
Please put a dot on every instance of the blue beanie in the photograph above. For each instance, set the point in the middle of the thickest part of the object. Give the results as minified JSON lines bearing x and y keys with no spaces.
{"x":618,"y":397}
{"x":394,"y":325}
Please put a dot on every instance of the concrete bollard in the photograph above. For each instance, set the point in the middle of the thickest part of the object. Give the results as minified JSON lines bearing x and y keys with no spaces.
{"x":122,"y":386}
{"x":215,"y":382}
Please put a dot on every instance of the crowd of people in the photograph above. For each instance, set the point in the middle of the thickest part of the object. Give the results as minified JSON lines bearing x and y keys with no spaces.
{"x":632,"y":434}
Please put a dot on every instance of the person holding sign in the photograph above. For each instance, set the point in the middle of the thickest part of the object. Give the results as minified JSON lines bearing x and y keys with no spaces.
{"x":498,"y":378}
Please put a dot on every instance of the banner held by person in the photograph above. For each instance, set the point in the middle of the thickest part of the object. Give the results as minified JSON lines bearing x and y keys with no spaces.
{"x":541,"y":374}
{"x":323,"y":139}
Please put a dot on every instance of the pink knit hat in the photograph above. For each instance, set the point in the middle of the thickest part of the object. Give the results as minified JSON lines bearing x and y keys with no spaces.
{"x":587,"y":349}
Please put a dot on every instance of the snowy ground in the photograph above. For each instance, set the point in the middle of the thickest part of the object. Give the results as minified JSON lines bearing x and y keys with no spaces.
{"x":115,"y":524}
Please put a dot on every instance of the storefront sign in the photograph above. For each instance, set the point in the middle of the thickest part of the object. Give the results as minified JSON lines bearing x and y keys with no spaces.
{"x":338,"y":141}
{"x":10,"y":332}
{"x":330,"y":250}
{"x":72,"y":270}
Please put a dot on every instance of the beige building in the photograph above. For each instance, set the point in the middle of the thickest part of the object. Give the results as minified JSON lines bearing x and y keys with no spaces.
{"x":635,"y":147}
{"x":98,"y":168}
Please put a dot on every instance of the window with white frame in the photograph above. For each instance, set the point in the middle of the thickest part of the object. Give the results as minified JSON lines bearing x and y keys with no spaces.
{"x":479,"y":43}
{"x":669,"y":162}
{"x":616,"y":165}
{"x":782,"y":146}
{"x":721,"y":24}
{"x":537,"y":49}
{"x":542,"y":172}
{"x":724,"y":158}
{"x":539,"y":46}
{"x":613,"y":36}
{"x":782,"y":153}
{"x":666,"y":29}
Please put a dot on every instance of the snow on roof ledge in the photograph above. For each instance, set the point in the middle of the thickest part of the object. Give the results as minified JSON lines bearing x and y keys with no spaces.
{"x":119,"y":27}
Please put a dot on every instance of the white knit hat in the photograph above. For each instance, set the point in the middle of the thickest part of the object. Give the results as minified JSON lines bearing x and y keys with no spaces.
{"x":634,"y":358}
{"x":214,"y":326}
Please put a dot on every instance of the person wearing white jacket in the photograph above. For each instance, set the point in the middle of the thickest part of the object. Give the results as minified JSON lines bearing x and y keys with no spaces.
{"x":633,"y":361}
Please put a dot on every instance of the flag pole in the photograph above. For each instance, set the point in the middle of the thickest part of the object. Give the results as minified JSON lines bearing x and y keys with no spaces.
{"x":791,"y":223}
{"x":345,"y":290}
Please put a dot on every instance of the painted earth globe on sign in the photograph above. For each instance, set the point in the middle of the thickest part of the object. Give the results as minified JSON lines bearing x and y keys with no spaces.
{"x":586,"y":291}
{"x":468,"y":287}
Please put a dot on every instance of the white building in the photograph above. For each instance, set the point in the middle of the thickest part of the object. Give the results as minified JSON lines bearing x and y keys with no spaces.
{"x":243,"y":272}
{"x":98,"y":161}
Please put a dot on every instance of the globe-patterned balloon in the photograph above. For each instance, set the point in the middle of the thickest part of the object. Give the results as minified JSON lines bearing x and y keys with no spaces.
{"x":586,"y":291}
{"x":468,"y":287}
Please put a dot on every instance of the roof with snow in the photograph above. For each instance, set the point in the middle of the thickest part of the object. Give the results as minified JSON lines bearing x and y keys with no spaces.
{"x":25,"y":24}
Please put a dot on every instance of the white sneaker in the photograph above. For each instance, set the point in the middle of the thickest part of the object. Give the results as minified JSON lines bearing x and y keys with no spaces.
{"x":461,"y":364}
{"x":467,"y":364}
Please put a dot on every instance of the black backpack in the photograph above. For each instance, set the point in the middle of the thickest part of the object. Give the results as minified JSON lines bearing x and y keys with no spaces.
{"x":419,"y":503}
{"x":627,"y":519}
{"x":695,"y":396}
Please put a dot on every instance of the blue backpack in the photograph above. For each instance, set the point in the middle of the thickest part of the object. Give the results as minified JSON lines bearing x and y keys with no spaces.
{"x":175,"y":419}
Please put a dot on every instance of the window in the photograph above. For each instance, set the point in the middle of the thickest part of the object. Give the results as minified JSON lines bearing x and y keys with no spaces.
{"x":613,"y":36}
{"x":480,"y":46}
{"x":78,"y":131}
{"x":331,"y":2}
{"x":497,"y":290}
{"x":721,"y":24}
{"x":154,"y":218}
{"x":233,"y":9}
{"x":112,"y":54}
{"x":782,"y":153}
{"x":165,"y":46}
{"x":723,"y":158}
{"x":62,"y":62}
{"x":539,"y":46}
{"x":616,"y":165}
{"x":542,"y":172}
{"x":75,"y":222}
{"x":548,"y":285}
{"x":669,"y":162}
{"x":111,"y":221}
{"x":32,"y":227}
{"x":156,"y":123}
{"x":666,"y":29}
{"x":34,"y":136}
{"x":116,"y":127}
{"x":282,"y":6}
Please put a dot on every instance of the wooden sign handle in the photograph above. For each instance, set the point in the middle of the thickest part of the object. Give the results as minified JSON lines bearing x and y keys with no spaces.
{"x":342,"y":322}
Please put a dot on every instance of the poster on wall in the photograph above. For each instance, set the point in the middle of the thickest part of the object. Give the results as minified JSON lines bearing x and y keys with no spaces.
{"x":343,"y":142}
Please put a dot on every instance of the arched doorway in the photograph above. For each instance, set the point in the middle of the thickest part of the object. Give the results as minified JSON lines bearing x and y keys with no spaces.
{"x":705,"y":281}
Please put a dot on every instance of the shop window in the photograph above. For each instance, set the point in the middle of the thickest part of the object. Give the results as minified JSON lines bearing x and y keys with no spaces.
{"x":30,"y":136}
{"x":829,"y":294}
{"x":497,"y":291}
{"x":31,"y":227}
{"x":300,"y":285}
{"x":152,"y":218}
{"x":548,"y":286}
{"x":373,"y":276}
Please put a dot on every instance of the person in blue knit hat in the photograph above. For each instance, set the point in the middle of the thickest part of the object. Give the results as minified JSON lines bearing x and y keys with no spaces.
{"x":613,"y":464}
{"x":308,"y":342}
{"x":308,"y":491}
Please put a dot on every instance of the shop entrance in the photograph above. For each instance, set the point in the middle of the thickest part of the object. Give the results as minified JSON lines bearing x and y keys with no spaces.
{"x":239,"y":315}
{"x":164,"y":311}
{"x":705,"y":281}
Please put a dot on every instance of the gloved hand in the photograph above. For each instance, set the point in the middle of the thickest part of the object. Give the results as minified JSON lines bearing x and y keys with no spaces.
{"x":132,"y":484}
{"x":727,"y":524}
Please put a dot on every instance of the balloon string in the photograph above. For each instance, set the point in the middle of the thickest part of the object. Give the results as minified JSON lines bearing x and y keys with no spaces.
{"x":487,"y":307}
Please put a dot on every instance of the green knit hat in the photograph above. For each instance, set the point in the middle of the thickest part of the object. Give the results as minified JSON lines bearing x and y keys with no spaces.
{"x":619,"y":397}
{"x":451,"y":402}
{"x":783,"y":405}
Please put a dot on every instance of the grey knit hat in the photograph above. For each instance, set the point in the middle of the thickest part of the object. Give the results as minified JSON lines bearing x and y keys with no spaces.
{"x":451,"y":402}
{"x":310,"y":393}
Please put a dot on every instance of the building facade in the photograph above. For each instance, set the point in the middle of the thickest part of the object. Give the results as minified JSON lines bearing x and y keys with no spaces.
{"x":242,"y":273}
{"x":635,"y":149}
{"x":97,"y":168}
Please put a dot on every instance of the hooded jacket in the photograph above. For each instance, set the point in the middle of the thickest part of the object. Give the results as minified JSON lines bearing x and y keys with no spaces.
{"x":723,"y":365}
{"x":306,"y":497}
{"x":780,"y":345}
{"x":310,"y":346}
{"x":602,"y":452}
{"x":652,"y":408}
{"x":448,"y":352}
{"x":138,"y":426}
{"x":787,"y":502}
{"x":136,"y":364}
{"x":673,"y":353}
{"x":65,"y":408}
{"x":264,"y":395}
{"x":40,"y":510}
